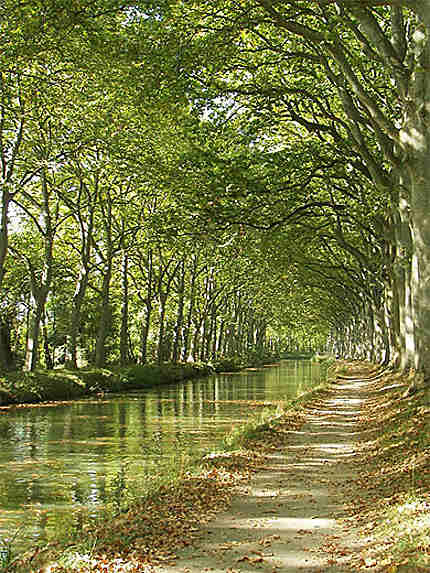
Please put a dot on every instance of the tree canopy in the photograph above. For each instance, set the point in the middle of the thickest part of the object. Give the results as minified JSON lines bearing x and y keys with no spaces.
{"x":191,"y":180}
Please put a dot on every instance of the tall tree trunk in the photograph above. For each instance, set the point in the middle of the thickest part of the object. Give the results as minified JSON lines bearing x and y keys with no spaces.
{"x":195,"y":340}
{"x":123,"y":343}
{"x":4,"y":209}
{"x":144,"y":333}
{"x":220,"y":338}
{"x":421,"y":272}
{"x":187,"y":330}
{"x":105,"y":316}
{"x":416,"y":133}
{"x":147,"y":310}
{"x":401,"y":273}
{"x":85,"y":222}
{"x":213,"y":331}
{"x":162,"y":326}
{"x":75,"y":318}
{"x":12,"y":106}
{"x":6,"y":356}
{"x":33,"y":338}
{"x":40,"y":287}
{"x":49,"y":360}
{"x":179,"y":315}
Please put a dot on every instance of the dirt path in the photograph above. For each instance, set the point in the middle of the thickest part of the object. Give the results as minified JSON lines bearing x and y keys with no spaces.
{"x":286,"y":518}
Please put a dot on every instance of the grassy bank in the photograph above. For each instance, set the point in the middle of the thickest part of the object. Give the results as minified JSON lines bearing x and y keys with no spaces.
{"x":20,"y":387}
{"x":51,"y":385}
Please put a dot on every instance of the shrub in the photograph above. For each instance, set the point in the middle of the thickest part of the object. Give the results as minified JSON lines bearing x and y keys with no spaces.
{"x":227,"y":365}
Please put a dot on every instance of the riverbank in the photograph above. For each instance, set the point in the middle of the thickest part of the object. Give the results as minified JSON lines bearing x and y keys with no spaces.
{"x":339,"y":484}
{"x":62,"y":384}
{"x":20,"y":387}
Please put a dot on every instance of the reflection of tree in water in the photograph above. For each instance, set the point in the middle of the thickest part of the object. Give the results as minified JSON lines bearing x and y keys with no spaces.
{"x":92,"y":451}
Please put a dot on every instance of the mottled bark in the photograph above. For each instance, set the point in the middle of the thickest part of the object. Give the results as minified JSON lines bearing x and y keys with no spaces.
{"x":75,"y":317}
{"x":186,"y":353}
{"x":179,"y":314}
{"x":105,"y":315}
{"x":416,"y":139}
{"x":124,"y":338}
{"x":4,"y":209}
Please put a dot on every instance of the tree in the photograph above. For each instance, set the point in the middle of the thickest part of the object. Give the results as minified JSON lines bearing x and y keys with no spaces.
{"x":355,"y":76}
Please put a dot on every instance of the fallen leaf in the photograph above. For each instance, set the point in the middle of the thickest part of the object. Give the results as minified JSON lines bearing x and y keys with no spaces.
{"x":257,"y":559}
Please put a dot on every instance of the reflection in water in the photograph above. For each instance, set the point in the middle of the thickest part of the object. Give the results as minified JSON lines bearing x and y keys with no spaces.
{"x":85,"y":453}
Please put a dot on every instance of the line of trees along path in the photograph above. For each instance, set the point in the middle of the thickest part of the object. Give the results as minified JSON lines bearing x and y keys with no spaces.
{"x":203,"y":178}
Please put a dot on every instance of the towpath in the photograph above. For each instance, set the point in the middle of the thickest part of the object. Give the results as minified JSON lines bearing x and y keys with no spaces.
{"x":288,"y":518}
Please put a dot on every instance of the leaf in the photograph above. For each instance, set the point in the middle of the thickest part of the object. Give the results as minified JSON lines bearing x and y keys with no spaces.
{"x":257,"y":559}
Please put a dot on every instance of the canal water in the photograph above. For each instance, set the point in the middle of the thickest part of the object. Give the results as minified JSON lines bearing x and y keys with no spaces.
{"x":59,"y":460}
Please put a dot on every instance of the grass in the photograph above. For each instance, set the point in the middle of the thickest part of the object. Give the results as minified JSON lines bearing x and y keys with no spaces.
{"x":9,"y":557}
{"x":54,"y":385}
{"x":240,"y":436}
{"x":20,"y":387}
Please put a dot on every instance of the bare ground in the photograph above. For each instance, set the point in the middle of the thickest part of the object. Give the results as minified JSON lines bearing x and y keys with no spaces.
{"x":288,"y":518}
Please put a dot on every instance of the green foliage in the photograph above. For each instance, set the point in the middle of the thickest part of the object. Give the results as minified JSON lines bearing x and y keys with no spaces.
{"x":259,"y":165}
{"x":30,"y":387}
{"x":42,"y":386}
{"x":227,"y":365}
{"x":142,"y":376}
{"x":9,"y":554}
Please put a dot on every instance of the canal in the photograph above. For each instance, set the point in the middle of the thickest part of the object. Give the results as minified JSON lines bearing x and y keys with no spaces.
{"x":60,"y":460}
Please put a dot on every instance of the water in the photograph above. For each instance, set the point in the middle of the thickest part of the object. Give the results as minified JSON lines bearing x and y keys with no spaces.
{"x":89,"y":454}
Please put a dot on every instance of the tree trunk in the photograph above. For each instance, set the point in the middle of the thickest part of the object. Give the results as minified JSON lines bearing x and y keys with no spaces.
{"x":123,"y":343}
{"x":190,"y":314}
{"x":75,"y":318}
{"x":86,"y":226}
{"x":421,"y":270}
{"x":6,"y":355}
{"x":161,"y":330}
{"x":144,"y":333}
{"x":37,"y":309}
{"x":180,"y":314}
{"x":104,"y":321}
{"x":195,"y":340}
{"x":147,"y":311}
{"x":39,"y":295}
{"x":4,"y":209}
{"x":416,"y":133}
{"x":402,"y":276}
{"x":49,"y":360}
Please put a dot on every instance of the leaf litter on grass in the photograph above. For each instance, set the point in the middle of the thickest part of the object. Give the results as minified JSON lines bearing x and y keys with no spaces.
{"x":390,"y":498}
